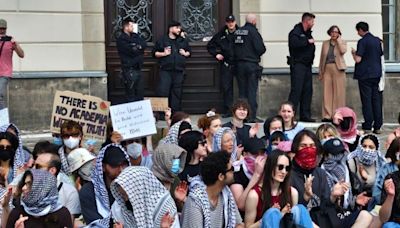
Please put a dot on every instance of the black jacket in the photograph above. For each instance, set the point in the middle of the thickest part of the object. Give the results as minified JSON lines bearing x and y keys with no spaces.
{"x":131,"y":50}
{"x":249,"y":45}
{"x":299,"y":48}
{"x":174,"y":61}
{"x":223,"y":43}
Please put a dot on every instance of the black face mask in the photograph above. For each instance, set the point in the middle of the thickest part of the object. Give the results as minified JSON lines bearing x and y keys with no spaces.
{"x":345,"y":124}
{"x":129,"y":205}
{"x":6,"y":154}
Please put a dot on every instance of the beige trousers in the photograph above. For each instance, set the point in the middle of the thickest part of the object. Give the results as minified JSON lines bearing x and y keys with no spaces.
{"x":334,"y":84}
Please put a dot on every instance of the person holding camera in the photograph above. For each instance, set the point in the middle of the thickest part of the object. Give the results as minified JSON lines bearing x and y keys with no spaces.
{"x":131,"y":50}
{"x":7,"y":47}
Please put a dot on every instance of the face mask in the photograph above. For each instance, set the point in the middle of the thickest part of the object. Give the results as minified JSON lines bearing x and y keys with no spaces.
{"x":86,"y":170}
{"x":367,"y":156}
{"x":176,"y":166}
{"x":5,"y":154}
{"x":306,"y":158}
{"x":128,"y":205}
{"x":57,"y":141}
{"x":72,"y":143}
{"x":134,"y":150}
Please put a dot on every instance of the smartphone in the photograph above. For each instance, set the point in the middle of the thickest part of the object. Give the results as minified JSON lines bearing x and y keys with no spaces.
{"x":5,"y":38}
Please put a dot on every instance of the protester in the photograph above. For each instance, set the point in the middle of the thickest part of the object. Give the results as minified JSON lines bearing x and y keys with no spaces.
{"x":81,"y":164}
{"x":290,"y":127}
{"x":71,"y":134}
{"x":225,"y":140}
{"x":21,"y":154}
{"x":368,"y":72}
{"x":389,"y":213}
{"x":171,"y":51}
{"x":221,"y":47}
{"x":136,"y":152}
{"x":39,"y":205}
{"x":95,"y":196}
{"x":143,"y":201}
{"x":8,"y":45}
{"x":325,"y":132}
{"x":345,"y":120}
{"x":209,"y":124}
{"x":8,"y":156}
{"x":332,"y":73}
{"x":274,"y":139}
{"x":175,"y":132}
{"x":286,"y":146}
{"x":131,"y":46}
{"x":210,"y":203}
{"x":302,"y":53}
{"x":271,"y":124}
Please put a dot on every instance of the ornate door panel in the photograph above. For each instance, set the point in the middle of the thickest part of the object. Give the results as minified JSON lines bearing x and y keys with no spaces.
{"x":200,"y":19}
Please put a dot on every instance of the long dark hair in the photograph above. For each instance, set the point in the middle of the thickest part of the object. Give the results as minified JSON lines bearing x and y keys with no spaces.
{"x":299,"y":137}
{"x":269,"y":171}
{"x":267,"y":124}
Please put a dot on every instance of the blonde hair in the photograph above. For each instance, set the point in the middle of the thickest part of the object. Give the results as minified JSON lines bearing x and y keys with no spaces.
{"x":326,"y":127}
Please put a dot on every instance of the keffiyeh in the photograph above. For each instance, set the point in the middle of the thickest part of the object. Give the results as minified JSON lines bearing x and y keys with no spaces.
{"x":172,"y":135}
{"x":64,"y":161}
{"x":368,"y":157}
{"x":42,"y":199}
{"x":149,"y":198}
{"x":350,"y":135}
{"x":217,"y":141}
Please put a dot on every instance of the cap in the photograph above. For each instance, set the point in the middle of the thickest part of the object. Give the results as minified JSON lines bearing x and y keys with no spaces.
{"x":334,"y":146}
{"x":78,"y":157}
{"x":3,"y":23}
{"x":253,"y":145}
{"x":114,"y":156}
{"x":230,"y":18}
{"x":173,"y":24}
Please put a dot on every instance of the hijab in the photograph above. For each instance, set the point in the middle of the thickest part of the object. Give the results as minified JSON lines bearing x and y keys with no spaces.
{"x":217,"y":141}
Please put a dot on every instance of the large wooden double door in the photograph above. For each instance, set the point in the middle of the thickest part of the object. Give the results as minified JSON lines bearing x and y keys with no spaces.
{"x":200,"y":20}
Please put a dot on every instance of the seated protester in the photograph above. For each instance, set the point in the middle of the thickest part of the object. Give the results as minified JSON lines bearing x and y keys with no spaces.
{"x":286,"y":146}
{"x":366,"y":161}
{"x":209,"y":124}
{"x":195,"y":145}
{"x":71,"y":134}
{"x":250,"y":170}
{"x":142,"y":200}
{"x":175,"y":132}
{"x":393,"y":155}
{"x":393,"y":135}
{"x":39,"y":204}
{"x":95,"y":196}
{"x":389,"y":213}
{"x":240,"y":111}
{"x":272,"y":124}
{"x":274,"y":139}
{"x":19,"y":156}
{"x":224,"y":139}
{"x":81,"y":163}
{"x":325,"y":132}
{"x":312,"y":185}
{"x":273,"y":197}
{"x":210,"y":203}
{"x":345,"y":120}
{"x":347,"y":202}
{"x":290,"y":126}
{"x":135,"y":150}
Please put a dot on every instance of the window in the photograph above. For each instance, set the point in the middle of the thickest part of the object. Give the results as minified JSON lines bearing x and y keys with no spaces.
{"x":390,"y":30}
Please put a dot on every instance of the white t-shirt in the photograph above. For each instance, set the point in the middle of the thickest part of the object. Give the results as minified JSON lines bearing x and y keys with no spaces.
{"x":68,"y":196}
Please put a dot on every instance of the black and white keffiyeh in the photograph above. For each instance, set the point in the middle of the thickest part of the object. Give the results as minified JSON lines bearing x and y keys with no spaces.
{"x":64,"y":162}
{"x":199,"y":194}
{"x":19,"y":156}
{"x":42,"y":199}
{"x":217,"y":141}
{"x":100,"y":190}
{"x":172,"y":135}
{"x":149,"y":198}
{"x":368,"y":157}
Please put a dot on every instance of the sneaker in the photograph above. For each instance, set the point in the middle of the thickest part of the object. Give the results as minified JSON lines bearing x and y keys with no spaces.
{"x":309,"y":120}
{"x":377,"y":131}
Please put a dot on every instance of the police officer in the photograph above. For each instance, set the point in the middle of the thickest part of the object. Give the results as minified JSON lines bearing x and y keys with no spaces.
{"x":171,"y":51}
{"x":302,"y":52}
{"x":131,"y":49}
{"x":221,"y":47}
{"x":249,"y":46}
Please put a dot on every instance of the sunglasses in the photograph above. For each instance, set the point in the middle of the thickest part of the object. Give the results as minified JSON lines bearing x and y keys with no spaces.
{"x":66,"y":136}
{"x":7,"y":147}
{"x":281,"y":167}
{"x":203,"y":142}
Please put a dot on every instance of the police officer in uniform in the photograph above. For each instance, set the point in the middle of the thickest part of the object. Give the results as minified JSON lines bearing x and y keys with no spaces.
{"x":221,"y":47}
{"x":302,"y":52}
{"x":249,"y":46}
{"x":131,"y":49}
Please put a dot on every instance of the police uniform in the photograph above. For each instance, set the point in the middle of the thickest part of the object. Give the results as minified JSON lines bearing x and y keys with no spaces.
{"x":222,"y":43}
{"x":131,"y":49}
{"x":301,"y":59}
{"x":249,"y":46}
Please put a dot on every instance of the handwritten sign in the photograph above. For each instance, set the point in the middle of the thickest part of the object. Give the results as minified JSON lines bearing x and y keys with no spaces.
{"x":89,"y":111}
{"x":4,"y":118}
{"x":133,"y":120}
{"x":158,"y":104}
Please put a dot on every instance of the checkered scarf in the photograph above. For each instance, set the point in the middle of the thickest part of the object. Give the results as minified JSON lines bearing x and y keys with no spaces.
{"x":199,"y":194}
{"x":19,"y":156}
{"x":64,"y":162}
{"x":172,"y":135}
{"x":100,"y":190}
{"x":42,"y":199}
{"x":335,"y":167}
{"x":368,"y":157}
{"x":217,"y":141}
{"x":149,"y":198}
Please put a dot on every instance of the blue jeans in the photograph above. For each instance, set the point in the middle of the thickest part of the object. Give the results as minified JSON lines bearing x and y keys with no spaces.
{"x":391,"y":225}
{"x":3,"y":90}
{"x":273,"y":216}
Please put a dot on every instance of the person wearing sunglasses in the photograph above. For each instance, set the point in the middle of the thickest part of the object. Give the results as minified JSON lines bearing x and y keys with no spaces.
{"x":71,"y":135}
{"x":8,"y":146}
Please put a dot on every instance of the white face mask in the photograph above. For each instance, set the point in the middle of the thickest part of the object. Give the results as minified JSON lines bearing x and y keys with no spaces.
{"x":72,"y":143}
{"x":134,"y":150}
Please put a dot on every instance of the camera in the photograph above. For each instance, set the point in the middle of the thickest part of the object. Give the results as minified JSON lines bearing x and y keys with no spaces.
{"x":5,"y":38}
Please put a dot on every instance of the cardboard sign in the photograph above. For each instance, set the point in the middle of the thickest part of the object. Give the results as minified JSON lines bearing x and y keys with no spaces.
{"x":158,"y":104}
{"x":4,"y":118}
{"x":133,"y":120}
{"x":89,"y":111}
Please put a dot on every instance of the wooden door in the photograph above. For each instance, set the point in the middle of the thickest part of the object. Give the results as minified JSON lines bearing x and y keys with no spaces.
{"x":200,"y":19}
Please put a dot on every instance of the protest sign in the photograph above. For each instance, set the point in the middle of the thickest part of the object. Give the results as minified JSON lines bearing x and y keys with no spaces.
{"x":89,"y":111}
{"x":4,"y":118}
{"x":158,"y":104}
{"x":133,"y":120}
